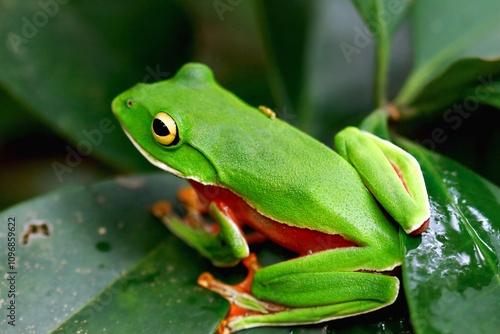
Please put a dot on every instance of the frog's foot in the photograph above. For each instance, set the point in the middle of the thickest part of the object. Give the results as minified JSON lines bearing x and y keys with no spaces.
{"x":222,"y":242}
{"x":161,"y":208}
{"x":243,"y":303}
{"x":195,"y":209}
{"x":254,"y":237}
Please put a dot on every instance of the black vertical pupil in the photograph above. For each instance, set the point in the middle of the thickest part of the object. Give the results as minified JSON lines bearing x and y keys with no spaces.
{"x":160,"y":128}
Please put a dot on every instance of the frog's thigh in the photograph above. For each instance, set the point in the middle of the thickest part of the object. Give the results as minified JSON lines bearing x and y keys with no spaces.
{"x":325,"y":288}
{"x":320,"y":296}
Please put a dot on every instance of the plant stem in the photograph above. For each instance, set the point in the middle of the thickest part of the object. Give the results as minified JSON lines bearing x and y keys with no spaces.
{"x":383,"y":55}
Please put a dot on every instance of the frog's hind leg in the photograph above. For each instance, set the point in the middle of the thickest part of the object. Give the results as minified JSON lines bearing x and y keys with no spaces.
{"x":328,"y":285}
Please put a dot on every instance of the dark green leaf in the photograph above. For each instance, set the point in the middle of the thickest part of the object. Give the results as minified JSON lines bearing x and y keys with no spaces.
{"x":99,"y":238}
{"x":109,"y":265}
{"x":158,"y":295}
{"x":66,"y":62}
{"x":14,"y":122}
{"x":451,"y":274}
{"x":445,"y":32}
{"x":376,"y":123}
{"x":382,"y":16}
{"x":467,"y":82}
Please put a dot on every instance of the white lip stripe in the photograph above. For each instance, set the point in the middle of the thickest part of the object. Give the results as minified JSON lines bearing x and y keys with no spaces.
{"x":155,"y":162}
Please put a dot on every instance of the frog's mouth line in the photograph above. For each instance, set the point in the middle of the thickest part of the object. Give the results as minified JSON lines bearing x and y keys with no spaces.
{"x":151,"y":159}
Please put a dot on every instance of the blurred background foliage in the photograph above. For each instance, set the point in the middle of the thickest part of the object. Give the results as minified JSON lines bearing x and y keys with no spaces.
{"x":315,"y":64}
{"x":59,"y":72}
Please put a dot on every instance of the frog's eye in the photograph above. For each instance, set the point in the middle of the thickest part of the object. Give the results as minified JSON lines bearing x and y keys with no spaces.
{"x":165,"y":130}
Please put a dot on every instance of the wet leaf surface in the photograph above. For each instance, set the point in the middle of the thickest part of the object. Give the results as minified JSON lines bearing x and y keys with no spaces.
{"x":107,"y":264}
{"x":451,"y":275}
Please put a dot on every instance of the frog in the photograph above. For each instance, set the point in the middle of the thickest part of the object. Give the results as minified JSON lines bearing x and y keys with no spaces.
{"x":255,"y":177}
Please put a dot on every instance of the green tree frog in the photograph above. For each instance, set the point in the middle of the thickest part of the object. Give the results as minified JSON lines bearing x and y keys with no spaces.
{"x":249,"y":168}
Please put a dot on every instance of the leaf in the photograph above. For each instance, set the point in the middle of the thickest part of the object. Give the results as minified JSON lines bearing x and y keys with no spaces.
{"x":108,"y":264}
{"x":158,"y":295}
{"x":376,"y":123}
{"x":467,"y":81}
{"x":98,"y":234}
{"x":66,"y":61}
{"x":451,"y":275}
{"x":328,"y":64}
{"x":382,"y":17}
{"x":444,"y":33}
{"x":14,"y":122}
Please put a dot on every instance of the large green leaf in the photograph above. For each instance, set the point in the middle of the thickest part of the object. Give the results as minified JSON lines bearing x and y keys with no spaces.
{"x":451,"y":275}
{"x":109,"y":265}
{"x":444,"y":33}
{"x":382,"y":16}
{"x":65,"y":61}
{"x":468,"y":82}
{"x":15,"y":122}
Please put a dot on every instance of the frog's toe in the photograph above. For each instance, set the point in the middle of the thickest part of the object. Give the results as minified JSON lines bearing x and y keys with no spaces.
{"x":189,"y":198}
{"x":161,"y":208}
{"x":243,"y":303}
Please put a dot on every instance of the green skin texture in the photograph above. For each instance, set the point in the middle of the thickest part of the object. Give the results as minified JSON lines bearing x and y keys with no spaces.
{"x":292,"y":178}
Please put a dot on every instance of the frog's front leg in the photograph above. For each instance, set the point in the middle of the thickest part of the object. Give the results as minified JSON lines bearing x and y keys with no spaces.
{"x":223,"y":243}
{"x":323,"y":286}
{"x":392,"y":175}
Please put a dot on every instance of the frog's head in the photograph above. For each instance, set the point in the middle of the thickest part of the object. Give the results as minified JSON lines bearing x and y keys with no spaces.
{"x":162,"y":118}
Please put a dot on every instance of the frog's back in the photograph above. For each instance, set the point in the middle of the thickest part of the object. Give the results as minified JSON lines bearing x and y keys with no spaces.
{"x":280,"y":171}
{"x":289,"y":176}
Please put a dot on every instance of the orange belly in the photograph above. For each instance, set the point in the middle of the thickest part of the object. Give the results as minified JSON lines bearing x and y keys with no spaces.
{"x":300,"y":240}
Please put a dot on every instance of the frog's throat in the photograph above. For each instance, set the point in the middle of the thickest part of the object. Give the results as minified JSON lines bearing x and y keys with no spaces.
{"x":152,"y":160}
